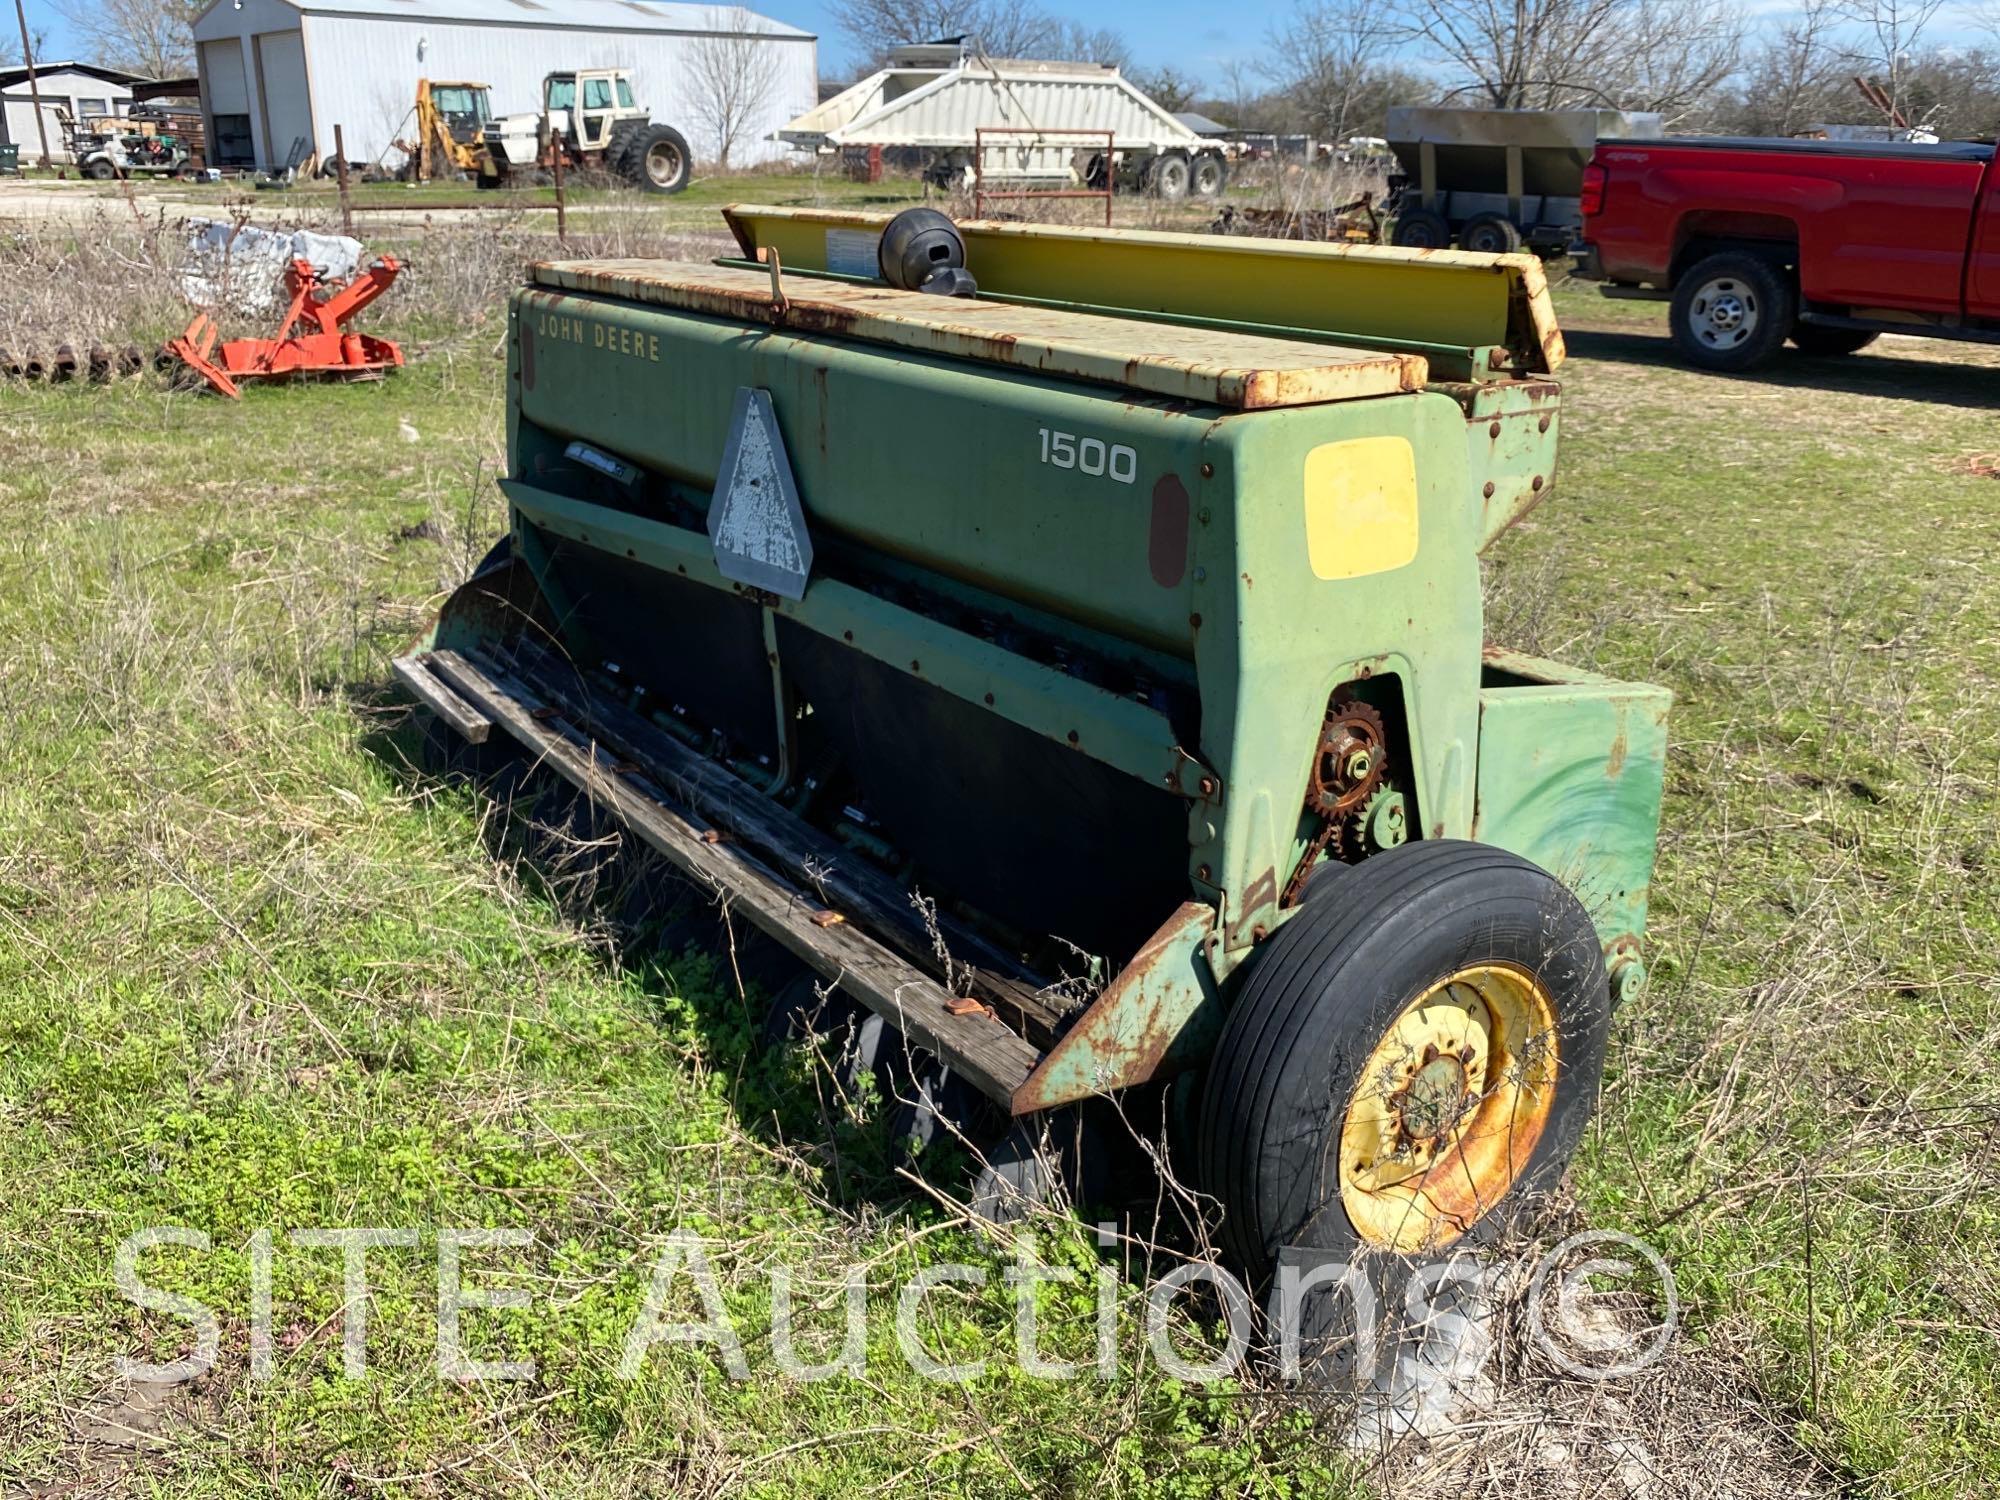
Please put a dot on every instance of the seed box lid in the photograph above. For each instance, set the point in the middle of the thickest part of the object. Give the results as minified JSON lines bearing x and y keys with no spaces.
{"x":1214,"y":367}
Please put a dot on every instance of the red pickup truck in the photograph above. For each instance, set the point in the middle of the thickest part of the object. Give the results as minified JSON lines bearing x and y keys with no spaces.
{"x":1825,"y":243}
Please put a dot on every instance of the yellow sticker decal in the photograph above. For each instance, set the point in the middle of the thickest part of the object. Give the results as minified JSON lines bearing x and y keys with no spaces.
{"x":1361,"y":507}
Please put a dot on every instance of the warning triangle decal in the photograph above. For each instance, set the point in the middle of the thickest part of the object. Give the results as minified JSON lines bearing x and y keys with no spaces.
{"x":755,"y":522}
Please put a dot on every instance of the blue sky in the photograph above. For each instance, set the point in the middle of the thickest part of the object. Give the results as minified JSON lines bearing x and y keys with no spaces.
{"x":1182,"y":32}
{"x":1190,"y":35}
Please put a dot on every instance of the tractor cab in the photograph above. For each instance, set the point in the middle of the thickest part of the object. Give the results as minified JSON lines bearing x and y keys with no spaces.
{"x":581,"y":108}
{"x":463,"y":109}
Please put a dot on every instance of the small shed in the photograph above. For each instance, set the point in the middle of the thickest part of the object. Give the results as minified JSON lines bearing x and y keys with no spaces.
{"x":276,"y":72}
{"x":84,"y":90}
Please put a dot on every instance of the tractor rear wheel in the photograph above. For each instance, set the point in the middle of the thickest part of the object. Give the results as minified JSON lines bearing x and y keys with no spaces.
{"x":655,"y":160}
{"x":1412,"y":1055}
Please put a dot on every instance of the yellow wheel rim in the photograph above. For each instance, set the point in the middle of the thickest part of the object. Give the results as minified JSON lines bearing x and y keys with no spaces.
{"x":1448,"y":1108}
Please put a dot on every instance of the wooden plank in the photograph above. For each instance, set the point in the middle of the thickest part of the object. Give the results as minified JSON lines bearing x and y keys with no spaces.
{"x":842,"y":879}
{"x":991,"y":1058}
{"x":472,"y":726}
{"x":1214,"y":367}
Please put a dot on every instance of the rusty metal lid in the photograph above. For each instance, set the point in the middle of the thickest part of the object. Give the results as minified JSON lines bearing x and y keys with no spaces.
{"x":1213,"y":367}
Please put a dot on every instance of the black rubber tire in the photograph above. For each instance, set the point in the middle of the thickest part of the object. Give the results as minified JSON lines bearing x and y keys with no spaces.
{"x":1490,"y":234}
{"x":1421,"y":229}
{"x":1208,"y":175}
{"x":1169,"y":178}
{"x":1321,"y":993}
{"x":1814,"y":339}
{"x":1766,"y":290}
{"x":635,"y":161}
{"x":100,"y":170}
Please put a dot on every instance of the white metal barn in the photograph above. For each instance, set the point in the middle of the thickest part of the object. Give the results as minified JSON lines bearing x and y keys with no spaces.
{"x":277,"y":71}
{"x":85,"y":90}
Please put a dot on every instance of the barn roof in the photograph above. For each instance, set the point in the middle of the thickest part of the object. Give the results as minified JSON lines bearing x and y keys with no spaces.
{"x":573,"y":15}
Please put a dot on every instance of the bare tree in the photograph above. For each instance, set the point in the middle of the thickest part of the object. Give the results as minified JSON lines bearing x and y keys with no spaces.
{"x":997,"y":28}
{"x":1791,"y":78}
{"x":10,"y":48}
{"x":1674,"y":55}
{"x":1545,"y":54}
{"x":1530,"y":54}
{"x":1323,"y":57}
{"x":1892,"y":30}
{"x":732,"y":74}
{"x":1168,"y":87}
{"x":1239,"y":93}
{"x":154,"y":38}
{"x":1075,"y":42}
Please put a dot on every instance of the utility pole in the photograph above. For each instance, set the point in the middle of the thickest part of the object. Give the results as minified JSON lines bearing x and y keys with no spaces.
{"x":34,"y":89}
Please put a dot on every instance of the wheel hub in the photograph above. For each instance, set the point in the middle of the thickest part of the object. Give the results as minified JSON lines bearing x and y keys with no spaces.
{"x":1435,"y":1097}
{"x":1725,"y":314}
{"x":1448,"y":1108}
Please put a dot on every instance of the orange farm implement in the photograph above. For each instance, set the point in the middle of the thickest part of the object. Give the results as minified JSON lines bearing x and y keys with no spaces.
{"x":313,"y":339}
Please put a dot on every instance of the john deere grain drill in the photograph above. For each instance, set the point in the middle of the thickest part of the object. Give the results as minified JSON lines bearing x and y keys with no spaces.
{"x":1084,"y":670}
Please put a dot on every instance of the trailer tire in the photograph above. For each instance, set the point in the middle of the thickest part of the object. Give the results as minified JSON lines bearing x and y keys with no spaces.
{"x":1168,"y":179}
{"x":1490,"y":234}
{"x":1459,"y":974}
{"x":1731,"y":312}
{"x":1421,"y":229}
{"x":1817,"y":339}
{"x":1208,"y":175}
{"x":656,"y":160}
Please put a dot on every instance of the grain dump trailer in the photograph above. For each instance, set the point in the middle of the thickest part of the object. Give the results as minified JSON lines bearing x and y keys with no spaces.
{"x":1019,"y":123}
{"x":1126,"y":615}
{"x":1494,"y":180}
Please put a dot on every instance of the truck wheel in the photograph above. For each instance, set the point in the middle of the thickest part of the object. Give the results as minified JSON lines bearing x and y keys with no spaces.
{"x":1732,"y":311}
{"x":656,"y":160}
{"x":1421,"y":229}
{"x":1410,"y":1052}
{"x":1490,"y":234}
{"x":1812,"y":338}
{"x":1208,"y":176}
{"x":1170,"y":177}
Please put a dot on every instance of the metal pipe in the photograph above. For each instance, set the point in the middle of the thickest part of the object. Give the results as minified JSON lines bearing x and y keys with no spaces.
{"x":34,"y":88}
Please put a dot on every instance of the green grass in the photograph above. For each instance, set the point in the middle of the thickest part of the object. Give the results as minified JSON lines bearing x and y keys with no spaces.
{"x":254,"y":973}
{"x":1802,"y":1108}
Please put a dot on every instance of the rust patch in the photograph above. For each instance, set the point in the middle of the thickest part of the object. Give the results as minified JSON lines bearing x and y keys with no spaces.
{"x":1125,"y":1034}
{"x":1167,"y":535}
{"x":1262,"y":893}
{"x":1614,"y":763}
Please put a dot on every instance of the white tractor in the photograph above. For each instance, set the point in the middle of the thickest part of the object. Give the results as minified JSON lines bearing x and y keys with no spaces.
{"x":588,"y":118}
